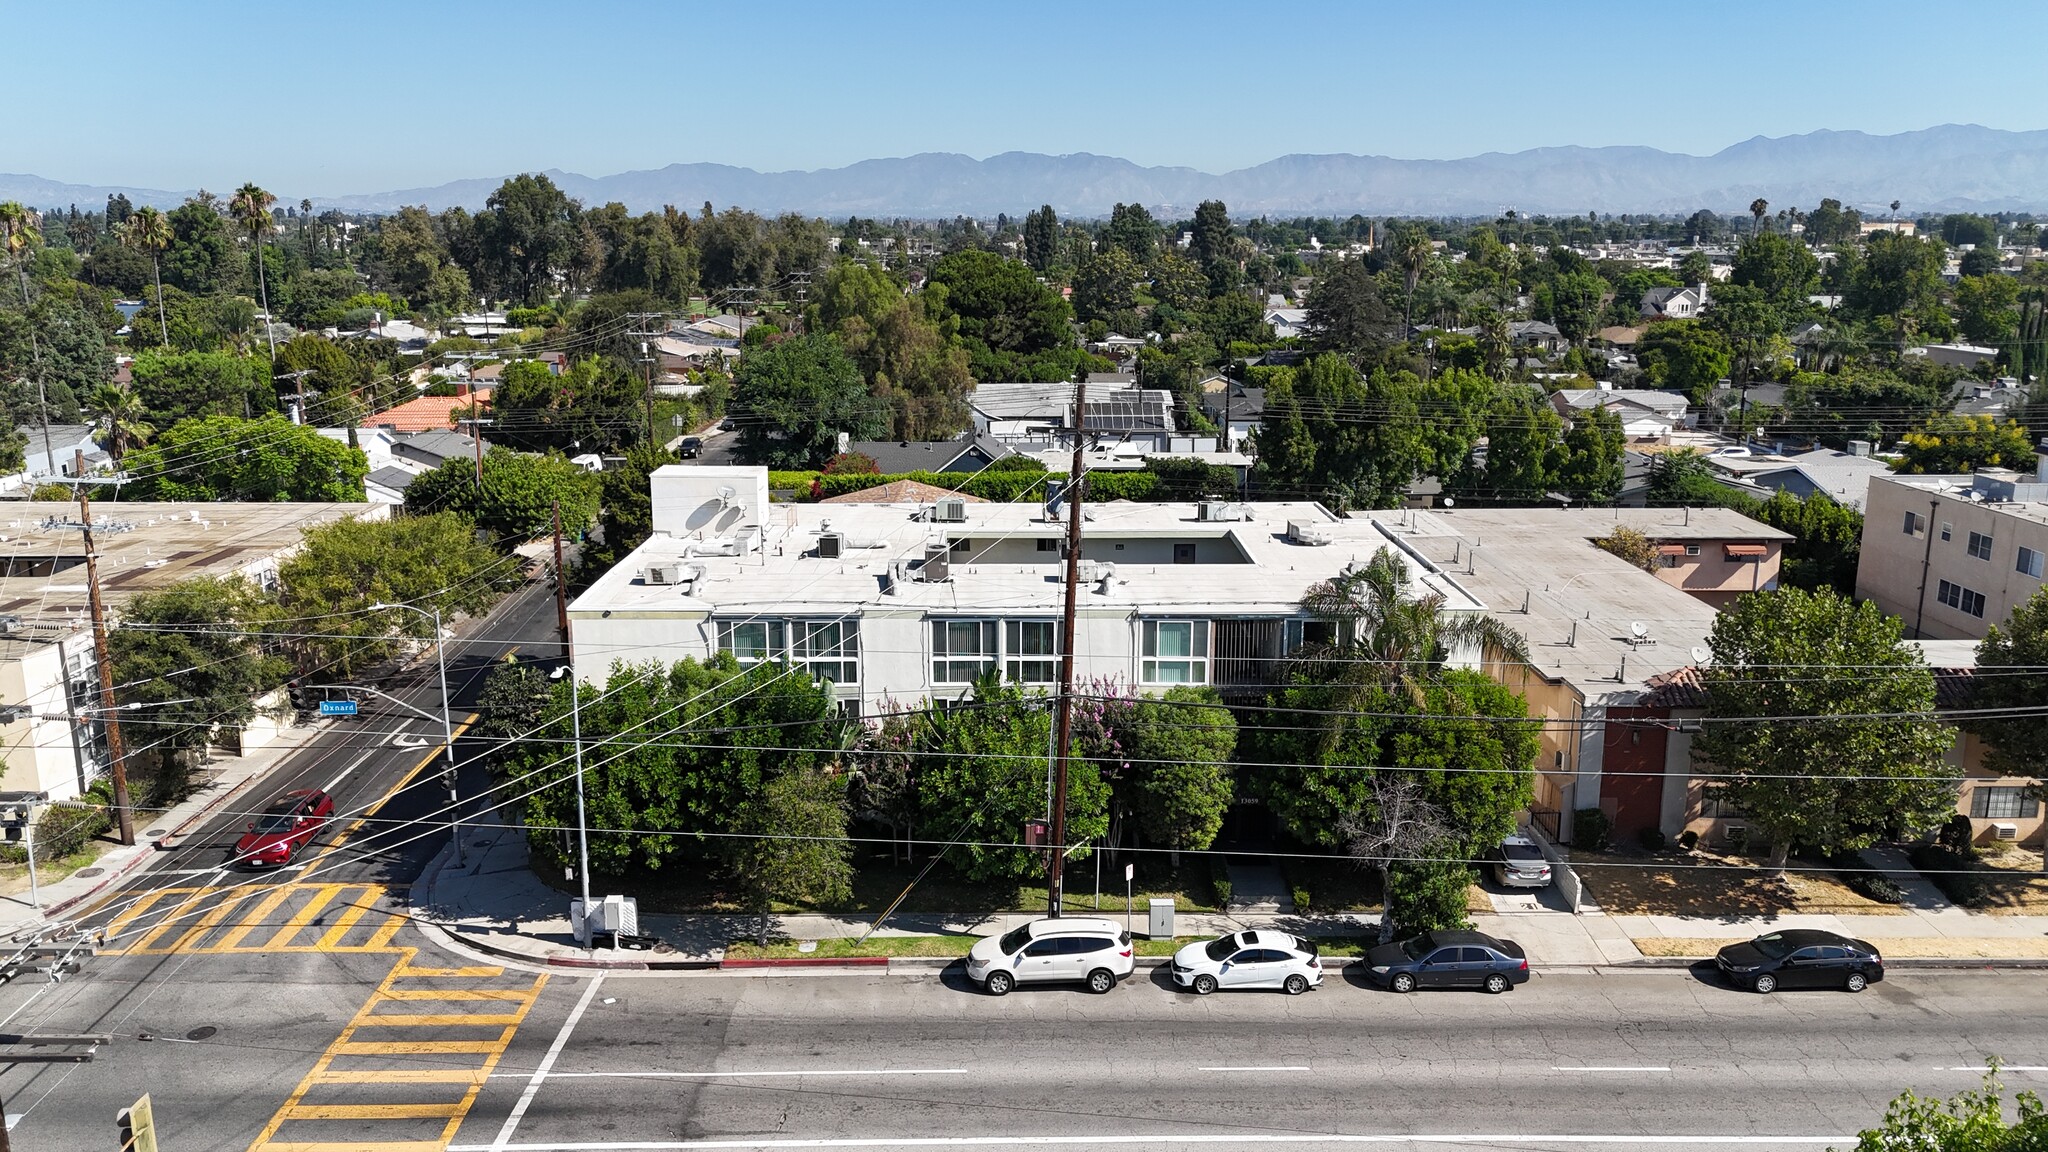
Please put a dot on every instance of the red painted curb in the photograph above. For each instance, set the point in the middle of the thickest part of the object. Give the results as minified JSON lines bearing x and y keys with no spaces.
{"x":809,"y":962}
{"x":580,"y":962}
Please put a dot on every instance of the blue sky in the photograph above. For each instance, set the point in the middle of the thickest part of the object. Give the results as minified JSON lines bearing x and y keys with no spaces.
{"x":311,"y":98}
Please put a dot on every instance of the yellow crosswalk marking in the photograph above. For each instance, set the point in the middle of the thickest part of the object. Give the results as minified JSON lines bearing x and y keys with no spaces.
{"x":325,"y":895}
{"x":257,"y":917}
{"x":349,"y":916}
{"x":324,"y":1083}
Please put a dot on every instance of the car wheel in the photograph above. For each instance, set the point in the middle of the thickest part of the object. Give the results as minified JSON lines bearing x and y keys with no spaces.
{"x":1858,"y":982}
{"x":999,"y":983}
{"x":1496,"y":983}
{"x":1204,"y":984}
{"x":1765,"y":984}
{"x":1101,"y":980}
{"x":1402,"y":982}
{"x":1296,"y":984}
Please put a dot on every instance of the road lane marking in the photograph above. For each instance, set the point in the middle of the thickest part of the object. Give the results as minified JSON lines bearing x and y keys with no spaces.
{"x":741,"y":1075}
{"x":1611,"y":1068}
{"x":1161,"y":1139}
{"x":257,"y":917}
{"x":1988,"y":1068}
{"x":352,"y":766}
{"x":1261,"y":1068}
{"x":540,"y":1072}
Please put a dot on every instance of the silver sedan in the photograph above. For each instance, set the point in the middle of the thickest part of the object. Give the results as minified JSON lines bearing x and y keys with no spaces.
{"x":1252,"y":959}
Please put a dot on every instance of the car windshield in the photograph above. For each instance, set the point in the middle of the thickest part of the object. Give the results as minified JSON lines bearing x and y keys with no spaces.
{"x":1521,"y":852}
{"x":1221,"y":948}
{"x":1773,"y":946}
{"x":276,"y":822}
{"x":1418,"y":948}
{"x":1015,"y":939}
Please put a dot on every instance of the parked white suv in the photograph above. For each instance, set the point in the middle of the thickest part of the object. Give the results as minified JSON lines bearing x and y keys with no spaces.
{"x":1072,"y":949}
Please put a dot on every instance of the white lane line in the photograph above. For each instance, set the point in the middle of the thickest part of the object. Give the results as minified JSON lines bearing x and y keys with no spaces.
{"x":353,"y":765}
{"x":1611,"y":1068}
{"x":1988,"y":1068}
{"x":540,"y":1073}
{"x":1631,"y":1139}
{"x":741,"y":1075}
{"x":1260,"y":1068}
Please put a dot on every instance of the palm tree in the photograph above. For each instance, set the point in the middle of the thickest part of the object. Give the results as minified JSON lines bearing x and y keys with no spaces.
{"x":149,"y":231}
{"x":1385,"y":639}
{"x":1412,"y":251}
{"x":1895,"y":209}
{"x":251,"y":206}
{"x":1757,"y":208}
{"x":21,"y":227}
{"x":119,"y":413}
{"x":305,"y":228}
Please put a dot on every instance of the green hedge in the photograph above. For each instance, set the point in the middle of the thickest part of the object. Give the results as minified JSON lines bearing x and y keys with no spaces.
{"x":1000,"y":487}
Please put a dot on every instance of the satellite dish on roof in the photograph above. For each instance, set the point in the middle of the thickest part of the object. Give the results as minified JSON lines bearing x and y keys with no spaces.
{"x":1450,"y":502}
{"x":1699,"y":655}
{"x":1638,"y":629}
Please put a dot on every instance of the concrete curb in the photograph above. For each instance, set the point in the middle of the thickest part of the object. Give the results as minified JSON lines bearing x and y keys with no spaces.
{"x":820,"y":962}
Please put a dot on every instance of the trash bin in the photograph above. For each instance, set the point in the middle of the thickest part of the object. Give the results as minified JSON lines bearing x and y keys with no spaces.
{"x":1159,"y":918}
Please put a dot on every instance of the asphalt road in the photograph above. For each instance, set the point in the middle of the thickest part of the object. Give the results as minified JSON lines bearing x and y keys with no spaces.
{"x":1641,"y":1060}
{"x":263,"y":954}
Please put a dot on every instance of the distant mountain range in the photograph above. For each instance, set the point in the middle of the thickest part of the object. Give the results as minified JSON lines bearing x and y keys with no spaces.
{"x":1955,"y":167}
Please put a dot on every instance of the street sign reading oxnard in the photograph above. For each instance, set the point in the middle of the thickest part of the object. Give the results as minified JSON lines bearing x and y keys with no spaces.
{"x":337,"y":707}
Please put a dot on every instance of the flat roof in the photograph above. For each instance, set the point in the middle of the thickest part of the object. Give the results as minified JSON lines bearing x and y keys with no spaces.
{"x":142,"y":548}
{"x":1575,"y":606}
{"x":1959,"y":488}
{"x":785,"y":577}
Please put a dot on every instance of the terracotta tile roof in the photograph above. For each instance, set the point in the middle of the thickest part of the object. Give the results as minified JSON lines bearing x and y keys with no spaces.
{"x":1685,"y":688}
{"x":427,"y":413}
{"x":900,"y":492}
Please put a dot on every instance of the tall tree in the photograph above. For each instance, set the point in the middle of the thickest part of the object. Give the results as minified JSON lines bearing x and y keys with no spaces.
{"x":120,"y":417}
{"x":1757,"y":208}
{"x":229,"y":458}
{"x":1041,"y":238}
{"x":251,"y":208}
{"x":516,"y":500}
{"x":1212,"y":244}
{"x":1346,"y":314}
{"x":794,"y":397}
{"x":1412,"y":252}
{"x":190,"y":652}
{"x":149,"y":232}
{"x":790,"y":845}
{"x":1821,"y":720}
{"x":2009,"y":692}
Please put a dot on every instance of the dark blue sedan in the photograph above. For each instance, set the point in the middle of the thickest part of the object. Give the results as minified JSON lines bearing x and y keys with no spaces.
{"x":1448,"y":960}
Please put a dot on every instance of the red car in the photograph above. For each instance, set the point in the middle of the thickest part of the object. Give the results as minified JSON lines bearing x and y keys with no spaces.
{"x":284,"y":828}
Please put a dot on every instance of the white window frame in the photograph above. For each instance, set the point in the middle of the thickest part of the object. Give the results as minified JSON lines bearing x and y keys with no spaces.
{"x":2029,"y":562}
{"x":1173,"y":668}
{"x":964,"y":666}
{"x":1033,"y":667}
{"x":1915,"y":524}
{"x":830,"y":649}
{"x":774,"y":646}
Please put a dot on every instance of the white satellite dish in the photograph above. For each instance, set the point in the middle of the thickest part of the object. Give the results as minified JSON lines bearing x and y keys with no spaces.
{"x":1699,"y":655}
{"x":1450,"y":502}
{"x":1638,"y":629}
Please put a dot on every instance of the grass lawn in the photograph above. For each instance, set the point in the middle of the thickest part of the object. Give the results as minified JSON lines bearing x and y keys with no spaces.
{"x":688,"y":884}
{"x":2011,"y":881}
{"x":1706,"y":884}
{"x":14,"y":876}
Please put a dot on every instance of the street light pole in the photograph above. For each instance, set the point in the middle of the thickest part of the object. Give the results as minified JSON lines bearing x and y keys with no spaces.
{"x":447,"y":728}
{"x":582,"y":823}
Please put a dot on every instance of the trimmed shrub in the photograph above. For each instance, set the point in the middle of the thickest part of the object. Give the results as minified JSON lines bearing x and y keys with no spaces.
{"x":1954,"y":873}
{"x":1652,"y":839}
{"x":1302,"y":902}
{"x":1590,"y":829}
{"x":1219,"y":881}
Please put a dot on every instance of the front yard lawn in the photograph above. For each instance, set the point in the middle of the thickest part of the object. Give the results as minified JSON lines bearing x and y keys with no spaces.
{"x":1709,"y":884}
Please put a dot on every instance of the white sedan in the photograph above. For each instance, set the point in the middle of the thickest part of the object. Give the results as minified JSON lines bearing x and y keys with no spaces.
{"x":1260,"y":959}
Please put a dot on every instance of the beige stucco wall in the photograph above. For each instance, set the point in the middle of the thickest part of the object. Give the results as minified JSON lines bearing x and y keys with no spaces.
{"x":1889,"y":571}
{"x":1715,"y":578}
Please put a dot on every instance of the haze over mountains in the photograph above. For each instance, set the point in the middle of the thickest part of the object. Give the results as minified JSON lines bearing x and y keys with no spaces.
{"x":1951,"y":167}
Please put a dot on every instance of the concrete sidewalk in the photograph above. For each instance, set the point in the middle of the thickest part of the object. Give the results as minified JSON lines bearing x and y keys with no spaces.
{"x":225,"y":780}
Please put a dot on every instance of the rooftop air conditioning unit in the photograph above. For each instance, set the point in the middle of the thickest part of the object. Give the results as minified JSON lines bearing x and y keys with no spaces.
{"x":2005,"y":831}
{"x":1308,"y":532}
{"x":1212,"y":510}
{"x":662,"y":573}
{"x":937,"y":564}
{"x":829,"y":544}
{"x":950,"y":510}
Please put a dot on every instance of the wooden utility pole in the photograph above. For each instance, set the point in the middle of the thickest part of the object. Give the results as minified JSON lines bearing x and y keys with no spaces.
{"x":116,"y":756}
{"x":561,"y":582}
{"x":1055,"y":890}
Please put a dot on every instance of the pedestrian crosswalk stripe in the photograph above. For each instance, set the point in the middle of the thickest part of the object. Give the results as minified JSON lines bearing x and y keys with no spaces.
{"x":294,"y":917}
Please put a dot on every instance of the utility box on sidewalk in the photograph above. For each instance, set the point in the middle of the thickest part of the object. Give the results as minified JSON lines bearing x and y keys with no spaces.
{"x":615,"y":915}
{"x":1159,"y":918}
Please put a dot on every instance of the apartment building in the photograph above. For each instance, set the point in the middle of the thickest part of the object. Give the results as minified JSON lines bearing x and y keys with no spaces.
{"x":1953,"y":555}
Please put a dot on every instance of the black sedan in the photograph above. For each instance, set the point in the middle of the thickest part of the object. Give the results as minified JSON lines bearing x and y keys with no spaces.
{"x":1448,"y":960}
{"x":1801,"y":958}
